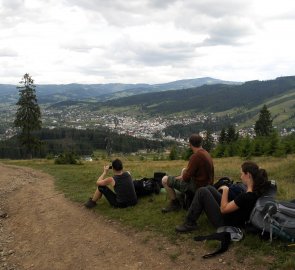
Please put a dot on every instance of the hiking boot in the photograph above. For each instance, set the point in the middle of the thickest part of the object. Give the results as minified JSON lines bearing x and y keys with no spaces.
{"x":172,"y":207}
{"x":186,"y":227}
{"x":90,"y":204}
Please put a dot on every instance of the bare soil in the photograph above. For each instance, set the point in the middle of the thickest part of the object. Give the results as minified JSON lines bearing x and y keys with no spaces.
{"x":41,"y":229}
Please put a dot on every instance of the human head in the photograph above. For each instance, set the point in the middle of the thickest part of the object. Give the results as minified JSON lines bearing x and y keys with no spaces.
{"x":117,"y":165}
{"x":259,"y":176}
{"x":196,"y":140}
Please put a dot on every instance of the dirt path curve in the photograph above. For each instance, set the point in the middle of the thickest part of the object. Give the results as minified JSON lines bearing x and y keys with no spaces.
{"x":43,"y":230}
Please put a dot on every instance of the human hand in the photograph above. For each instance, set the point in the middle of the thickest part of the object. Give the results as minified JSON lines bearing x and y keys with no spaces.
{"x":223,"y":188}
{"x":106,"y":168}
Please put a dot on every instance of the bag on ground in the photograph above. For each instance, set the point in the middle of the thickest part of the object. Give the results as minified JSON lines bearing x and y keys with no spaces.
{"x":274,"y":218}
{"x":146,"y":186}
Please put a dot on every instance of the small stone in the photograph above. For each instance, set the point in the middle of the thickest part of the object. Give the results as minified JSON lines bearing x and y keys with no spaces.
{"x":220,"y":260}
{"x":10,"y":252}
{"x":3,"y":214}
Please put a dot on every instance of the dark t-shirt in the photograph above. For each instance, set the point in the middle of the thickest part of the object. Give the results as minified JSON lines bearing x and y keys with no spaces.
{"x":124,"y":188}
{"x":245,"y":202}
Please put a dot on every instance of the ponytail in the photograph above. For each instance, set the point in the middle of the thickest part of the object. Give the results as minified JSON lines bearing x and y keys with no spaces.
{"x":260,"y":177}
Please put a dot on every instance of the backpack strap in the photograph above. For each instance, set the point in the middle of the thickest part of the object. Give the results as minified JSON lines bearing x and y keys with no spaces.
{"x":223,"y":237}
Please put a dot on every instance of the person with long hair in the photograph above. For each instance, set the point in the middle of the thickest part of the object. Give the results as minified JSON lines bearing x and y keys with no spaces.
{"x":215,"y":203}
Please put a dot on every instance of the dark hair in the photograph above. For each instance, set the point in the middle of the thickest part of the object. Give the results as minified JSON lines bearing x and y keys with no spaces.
{"x":196,"y":140}
{"x":260,"y":177}
{"x":117,"y":165}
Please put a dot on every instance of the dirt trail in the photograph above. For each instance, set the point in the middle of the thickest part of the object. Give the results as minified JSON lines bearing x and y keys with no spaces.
{"x":43,"y":230}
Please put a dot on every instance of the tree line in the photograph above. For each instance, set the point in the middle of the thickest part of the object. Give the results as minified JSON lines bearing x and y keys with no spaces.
{"x":266,"y":142}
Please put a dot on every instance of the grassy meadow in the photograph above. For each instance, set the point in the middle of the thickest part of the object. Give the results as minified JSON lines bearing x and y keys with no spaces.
{"x":77,"y":182}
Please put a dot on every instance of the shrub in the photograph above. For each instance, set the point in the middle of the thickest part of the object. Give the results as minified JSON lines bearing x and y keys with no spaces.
{"x":67,"y":158}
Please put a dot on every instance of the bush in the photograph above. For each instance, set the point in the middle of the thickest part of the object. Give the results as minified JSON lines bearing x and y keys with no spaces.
{"x":67,"y":158}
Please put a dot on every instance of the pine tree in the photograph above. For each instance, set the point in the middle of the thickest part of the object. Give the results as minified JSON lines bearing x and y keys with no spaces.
{"x":208,"y":141}
{"x":222,"y":137}
{"x":231,"y":135}
{"x":28,"y":115}
{"x":173,"y":153}
{"x":263,"y":126}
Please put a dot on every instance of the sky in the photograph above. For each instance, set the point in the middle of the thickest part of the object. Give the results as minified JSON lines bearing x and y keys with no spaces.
{"x":145,"y":41}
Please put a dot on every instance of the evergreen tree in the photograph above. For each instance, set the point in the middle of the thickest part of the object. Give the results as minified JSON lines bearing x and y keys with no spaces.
{"x":28,"y":115}
{"x":246,"y":147}
{"x":222,"y":137}
{"x":263,"y":126}
{"x":231,"y":135}
{"x":173,"y":153}
{"x":208,"y":141}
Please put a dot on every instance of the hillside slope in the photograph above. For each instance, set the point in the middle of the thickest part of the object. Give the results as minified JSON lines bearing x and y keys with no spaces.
{"x":211,"y":98}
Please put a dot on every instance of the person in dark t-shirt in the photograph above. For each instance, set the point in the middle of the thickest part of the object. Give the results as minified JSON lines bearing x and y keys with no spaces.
{"x":219,"y":210}
{"x":122,"y":183}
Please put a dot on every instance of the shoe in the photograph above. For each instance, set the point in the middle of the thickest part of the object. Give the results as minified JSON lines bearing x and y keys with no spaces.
{"x":186,"y":227}
{"x":90,"y":204}
{"x":172,"y":207}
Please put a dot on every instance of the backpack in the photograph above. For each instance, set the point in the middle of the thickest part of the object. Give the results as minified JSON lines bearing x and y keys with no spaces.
{"x":276,"y":218}
{"x":235,"y":189}
{"x":146,"y":186}
{"x":158,"y":178}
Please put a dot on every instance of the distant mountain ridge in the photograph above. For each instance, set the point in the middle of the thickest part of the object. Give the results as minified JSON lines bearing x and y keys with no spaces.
{"x":51,"y":93}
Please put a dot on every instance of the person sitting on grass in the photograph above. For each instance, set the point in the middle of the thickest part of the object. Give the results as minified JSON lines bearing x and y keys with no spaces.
{"x":122,"y":183}
{"x":219,"y":210}
{"x":199,"y":173}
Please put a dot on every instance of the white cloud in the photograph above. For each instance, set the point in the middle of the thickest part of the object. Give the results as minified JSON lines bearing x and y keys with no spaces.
{"x":145,"y":40}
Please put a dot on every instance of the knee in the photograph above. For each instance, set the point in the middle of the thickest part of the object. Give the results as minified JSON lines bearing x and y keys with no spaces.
{"x":165,"y":180}
{"x":183,"y":171}
{"x":101,"y":188}
{"x":202,"y":191}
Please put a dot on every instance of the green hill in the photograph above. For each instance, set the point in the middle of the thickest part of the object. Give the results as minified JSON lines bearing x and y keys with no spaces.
{"x":209,"y":98}
{"x":238,"y":103}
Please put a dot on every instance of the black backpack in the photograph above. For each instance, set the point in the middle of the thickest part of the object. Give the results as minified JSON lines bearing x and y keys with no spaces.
{"x":235,"y":189}
{"x":146,"y":186}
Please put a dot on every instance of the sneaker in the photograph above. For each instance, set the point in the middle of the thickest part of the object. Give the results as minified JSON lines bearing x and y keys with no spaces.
{"x":90,"y":204}
{"x":172,"y":207}
{"x":186,"y":227}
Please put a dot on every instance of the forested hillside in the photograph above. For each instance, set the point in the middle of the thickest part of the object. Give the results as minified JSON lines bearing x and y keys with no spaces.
{"x":209,"y":98}
{"x":81,"y":142}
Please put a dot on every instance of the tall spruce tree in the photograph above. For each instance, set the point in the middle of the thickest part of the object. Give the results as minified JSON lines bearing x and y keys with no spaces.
{"x":28,"y":115}
{"x":222,"y":137}
{"x":231,"y":135}
{"x":263,"y":126}
{"x":208,"y":142}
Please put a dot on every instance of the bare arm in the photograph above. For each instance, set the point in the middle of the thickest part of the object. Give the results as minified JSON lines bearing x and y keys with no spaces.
{"x":226,"y":206}
{"x":102,"y":181}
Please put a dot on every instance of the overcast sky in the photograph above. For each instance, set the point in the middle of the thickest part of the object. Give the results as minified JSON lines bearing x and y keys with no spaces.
{"x":145,"y":41}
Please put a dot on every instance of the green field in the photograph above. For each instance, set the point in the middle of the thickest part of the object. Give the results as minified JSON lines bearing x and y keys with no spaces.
{"x":77,"y":182}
